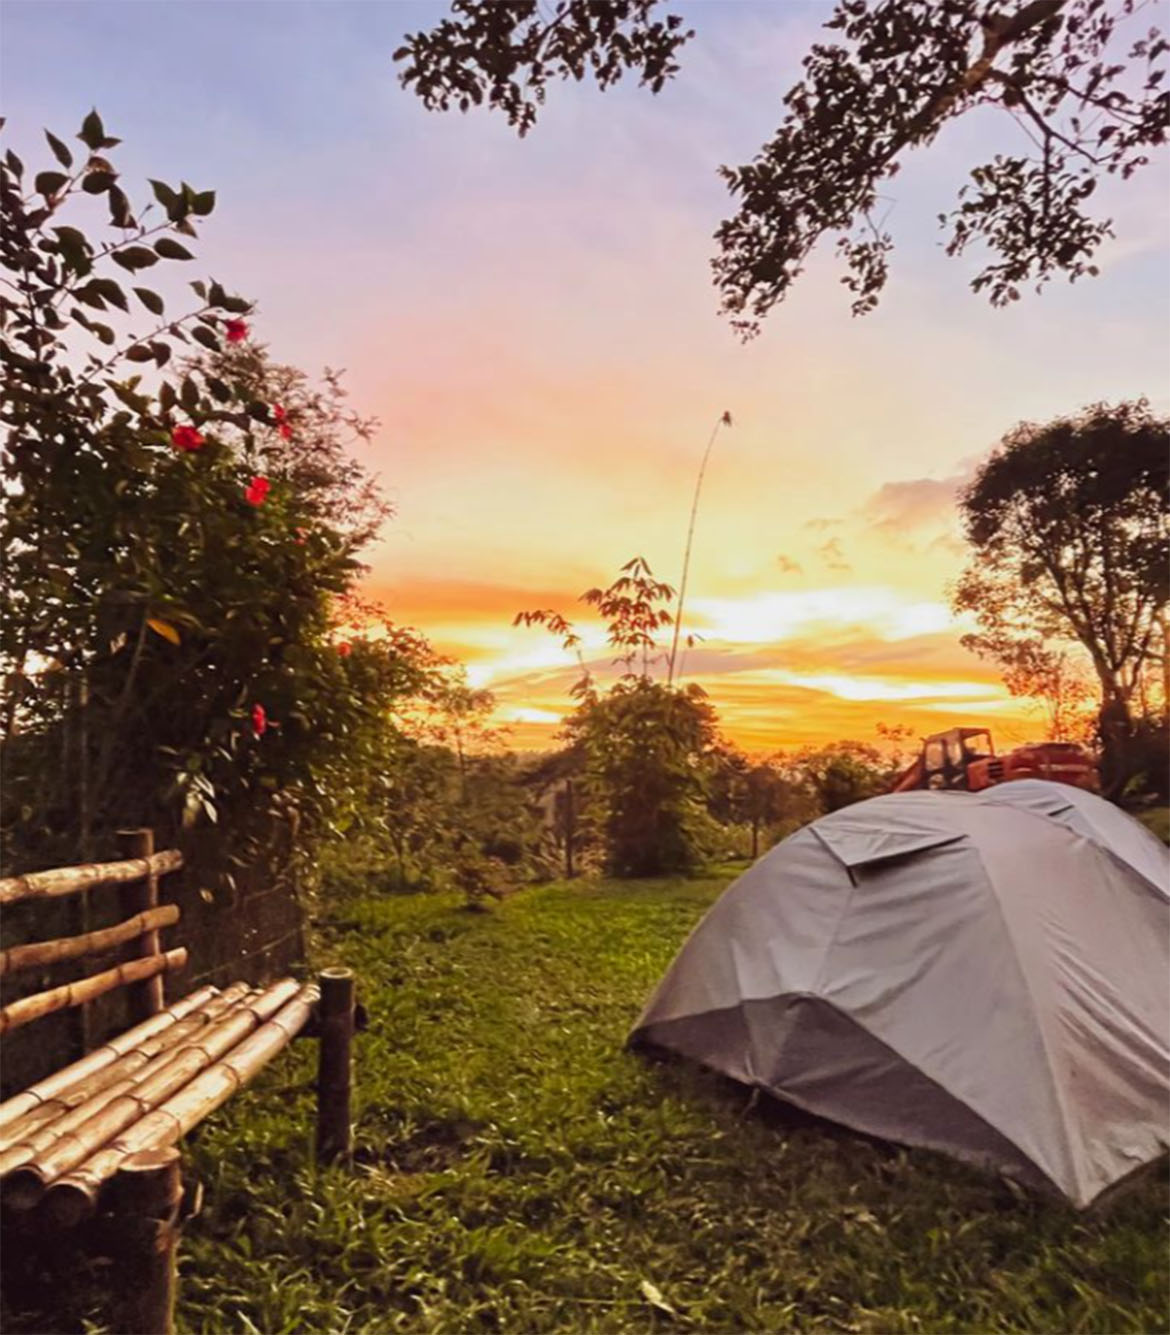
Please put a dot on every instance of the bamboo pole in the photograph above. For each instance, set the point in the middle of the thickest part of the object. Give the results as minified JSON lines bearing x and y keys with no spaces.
{"x":42,"y":954}
{"x":70,"y":1141}
{"x":40,"y":1004}
{"x":69,"y":880}
{"x":334,"y":1064}
{"x":54,"y":1084}
{"x":74,"y":1195}
{"x":26,"y":1137}
{"x":146,"y":998}
{"x":148,"y":1196}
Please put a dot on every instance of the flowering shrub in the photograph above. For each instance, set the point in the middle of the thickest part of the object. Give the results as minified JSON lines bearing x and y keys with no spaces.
{"x":181,"y":517}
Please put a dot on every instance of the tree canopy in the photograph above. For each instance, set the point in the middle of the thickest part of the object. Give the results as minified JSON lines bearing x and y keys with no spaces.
{"x":1071,"y":536}
{"x":1086,"y":101}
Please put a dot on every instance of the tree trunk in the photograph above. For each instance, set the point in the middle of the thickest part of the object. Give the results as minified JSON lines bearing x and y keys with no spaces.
{"x":1115,"y":729}
{"x":755,"y":837}
{"x":569,"y":872}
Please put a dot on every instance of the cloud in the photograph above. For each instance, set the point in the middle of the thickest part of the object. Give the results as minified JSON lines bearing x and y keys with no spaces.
{"x":821,"y":525}
{"x":788,"y":566}
{"x":916,"y":503}
{"x":834,"y":558}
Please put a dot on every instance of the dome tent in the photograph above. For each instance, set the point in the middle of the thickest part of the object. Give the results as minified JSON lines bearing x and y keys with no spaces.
{"x":942,"y":970}
{"x":1098,"y":820}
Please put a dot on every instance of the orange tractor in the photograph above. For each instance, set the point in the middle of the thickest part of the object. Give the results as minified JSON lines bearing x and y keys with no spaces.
{"x":965,"y":758}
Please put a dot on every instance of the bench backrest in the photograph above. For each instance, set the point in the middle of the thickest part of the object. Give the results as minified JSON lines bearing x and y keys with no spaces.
{"x":143,"y":918}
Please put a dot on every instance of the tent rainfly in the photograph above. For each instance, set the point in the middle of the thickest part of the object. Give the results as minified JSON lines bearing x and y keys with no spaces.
{"x":981,"y":974}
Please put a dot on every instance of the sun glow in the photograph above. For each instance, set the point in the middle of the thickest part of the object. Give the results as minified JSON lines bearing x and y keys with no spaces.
{"x":765,"y":618}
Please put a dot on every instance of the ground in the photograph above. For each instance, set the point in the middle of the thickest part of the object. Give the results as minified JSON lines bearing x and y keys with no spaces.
{"x":518,"y":1171}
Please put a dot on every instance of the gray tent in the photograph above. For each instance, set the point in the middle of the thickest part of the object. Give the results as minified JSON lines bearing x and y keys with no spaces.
{"x":973,"y":973}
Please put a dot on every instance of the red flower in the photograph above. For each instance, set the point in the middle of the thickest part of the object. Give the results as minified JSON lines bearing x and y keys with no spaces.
{"x":257,"y":490}
{"x":236,"y":331}
{"x":345,"y":649}
{"x":280,"y":419}
{"x":186,"y":438}
{"x":259,"y":720}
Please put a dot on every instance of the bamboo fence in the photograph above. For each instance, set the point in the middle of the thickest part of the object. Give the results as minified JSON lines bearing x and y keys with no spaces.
{"x":74,"y":1194}
{"x":78,"y":993}
{"x":71,"y":880}
{"x":42,"y":954}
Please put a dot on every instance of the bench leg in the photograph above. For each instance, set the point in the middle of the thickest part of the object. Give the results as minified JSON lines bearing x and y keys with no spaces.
{"x":147,"y":1193}
{"x":334,"y":1064}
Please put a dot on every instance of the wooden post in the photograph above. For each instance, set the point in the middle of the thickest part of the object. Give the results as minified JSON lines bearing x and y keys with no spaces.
{"x":147,"y":1193}
{"x":569,"y":819}
{"x":146,"y":998}
{"x":334,"y":1065}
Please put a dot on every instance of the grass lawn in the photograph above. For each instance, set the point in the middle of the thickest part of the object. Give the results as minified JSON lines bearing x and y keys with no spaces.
{"x":1157,"y":819}
{"x":518,"y":1171}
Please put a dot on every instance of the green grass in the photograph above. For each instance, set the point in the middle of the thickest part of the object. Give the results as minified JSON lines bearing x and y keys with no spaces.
{"x":518,"y":1171}
{"x":1157,"y":819}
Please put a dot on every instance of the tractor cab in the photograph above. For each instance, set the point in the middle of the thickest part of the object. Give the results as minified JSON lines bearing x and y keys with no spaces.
{"x":947,"y":757}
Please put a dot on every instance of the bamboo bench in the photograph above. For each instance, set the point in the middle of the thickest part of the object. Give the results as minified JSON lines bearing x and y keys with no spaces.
{"x":92,"y":1149}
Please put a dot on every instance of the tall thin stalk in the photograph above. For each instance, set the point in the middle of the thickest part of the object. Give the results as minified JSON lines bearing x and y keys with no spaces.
{"x":724,"y":420}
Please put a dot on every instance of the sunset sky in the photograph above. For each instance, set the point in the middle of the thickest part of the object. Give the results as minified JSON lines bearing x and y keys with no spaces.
{"x":534,"y":324}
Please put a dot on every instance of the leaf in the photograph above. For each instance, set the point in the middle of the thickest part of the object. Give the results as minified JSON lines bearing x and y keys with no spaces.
{"x":110,"y":291}
{"x":95,"y":183}
{"x":134,"y":257}
{"x":90,"y":294}
{"x":203,"y":203}
{"x":71,"y":238}
{"x":165,"y":629}
{"x":653,"y":1295}
{"x":138,"y":352}
{"x":120,"y":215}
{"x":203,"y":336}
{"x":164,"y":194}
{"x":60,"y":152}
{"x":14,"y":164}
{"x":48,"y":183}
{"x":92,"y":133}
{"x":162,"y":353}
{"x":170,"y":249}
{"x":151,"y":300}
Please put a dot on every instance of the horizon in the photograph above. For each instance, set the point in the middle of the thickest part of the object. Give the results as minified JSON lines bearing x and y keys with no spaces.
{"x":534,"y":324}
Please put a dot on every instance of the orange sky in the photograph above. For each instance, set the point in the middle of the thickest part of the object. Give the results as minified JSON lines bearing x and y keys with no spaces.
{"x":533,"y":322}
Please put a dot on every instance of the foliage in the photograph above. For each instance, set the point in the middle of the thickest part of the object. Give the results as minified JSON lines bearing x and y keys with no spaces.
{"x":643,"y":743}
{"x":516,"y":1170}
{"x":1086,"y":100}
{"x":842,"y":773}
{"x":646,"y":746}
{"x":504,"y":53}
{"x":755,"y":793}
{"x":180,"y":542}
{"x":1068,"y":522}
